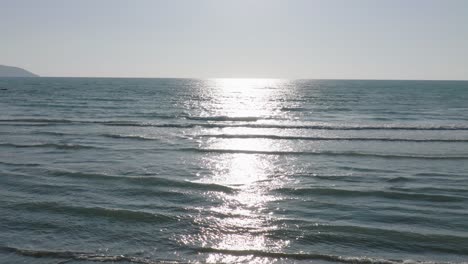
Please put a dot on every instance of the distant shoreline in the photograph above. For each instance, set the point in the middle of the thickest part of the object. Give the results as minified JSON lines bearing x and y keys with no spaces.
{"x":13,"y":72}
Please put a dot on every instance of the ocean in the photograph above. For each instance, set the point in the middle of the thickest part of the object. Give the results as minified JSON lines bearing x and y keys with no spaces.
{"x":233,"y":171}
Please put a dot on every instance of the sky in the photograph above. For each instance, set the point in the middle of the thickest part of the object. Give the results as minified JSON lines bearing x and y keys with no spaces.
{"x":294,"y":39}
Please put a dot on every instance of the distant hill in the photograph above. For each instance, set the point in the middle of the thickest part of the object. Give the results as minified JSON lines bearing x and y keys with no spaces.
{"x":8,"y":71}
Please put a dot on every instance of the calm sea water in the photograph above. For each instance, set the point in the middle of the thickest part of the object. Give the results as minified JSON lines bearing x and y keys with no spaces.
{"x":235,"y":171}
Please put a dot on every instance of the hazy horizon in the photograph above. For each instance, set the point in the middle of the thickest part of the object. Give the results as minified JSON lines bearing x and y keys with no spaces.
{"x":241,"y":78}
{"x":299,"y":39}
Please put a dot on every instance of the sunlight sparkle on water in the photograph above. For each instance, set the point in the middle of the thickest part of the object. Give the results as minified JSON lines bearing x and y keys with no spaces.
{"x":243,"y":221}
{"x":243,"y":97}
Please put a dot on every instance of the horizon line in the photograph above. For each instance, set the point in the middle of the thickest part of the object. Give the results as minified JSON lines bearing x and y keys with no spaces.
{"x":247,"y":78}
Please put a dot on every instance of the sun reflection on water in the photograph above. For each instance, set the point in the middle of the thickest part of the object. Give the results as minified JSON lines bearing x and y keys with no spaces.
{"x":244,"y":219}
{"x":242,"y":97}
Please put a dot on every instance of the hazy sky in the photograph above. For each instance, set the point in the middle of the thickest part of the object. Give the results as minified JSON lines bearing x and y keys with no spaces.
{"x":407,"y":39}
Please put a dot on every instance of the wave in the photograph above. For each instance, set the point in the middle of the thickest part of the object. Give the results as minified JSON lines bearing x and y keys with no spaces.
{"x":340,"y":178}
{"x":330,"y":138}
{"x":363,"y":169}
{"x":293,"y":109}
{"x":224,"y":118}
{"x":122,"y":123}
{"x":88,"y":256}
{"x":399,"y":179}
{"x":310,"y":256}
{"x":48,"y":145}
{"x":27,"y":124}
{"x":146,"y":180}
{"x":52,"y":133}
{"x":137,"y":137}
{"x":114,"y":213}
{"x":20,"y":164}
{"x":435,"y":174}
{"x":324,"y":153}
{"x":460,"y":191}
{"x":312,"y":127}
{"x":39,"y":121}
{"x":45,"y":122}
{"x":360,"y":193}
{"x":81,"y":256}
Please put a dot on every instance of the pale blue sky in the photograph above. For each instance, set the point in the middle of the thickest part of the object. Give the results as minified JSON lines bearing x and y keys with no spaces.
{"x":368,"y":39}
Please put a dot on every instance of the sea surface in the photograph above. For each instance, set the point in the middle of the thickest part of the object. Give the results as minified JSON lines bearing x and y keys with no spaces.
{"x":233,"y":171}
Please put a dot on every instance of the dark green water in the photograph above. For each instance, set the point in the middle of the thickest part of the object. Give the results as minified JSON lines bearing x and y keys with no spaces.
{"x":233,"y":171}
